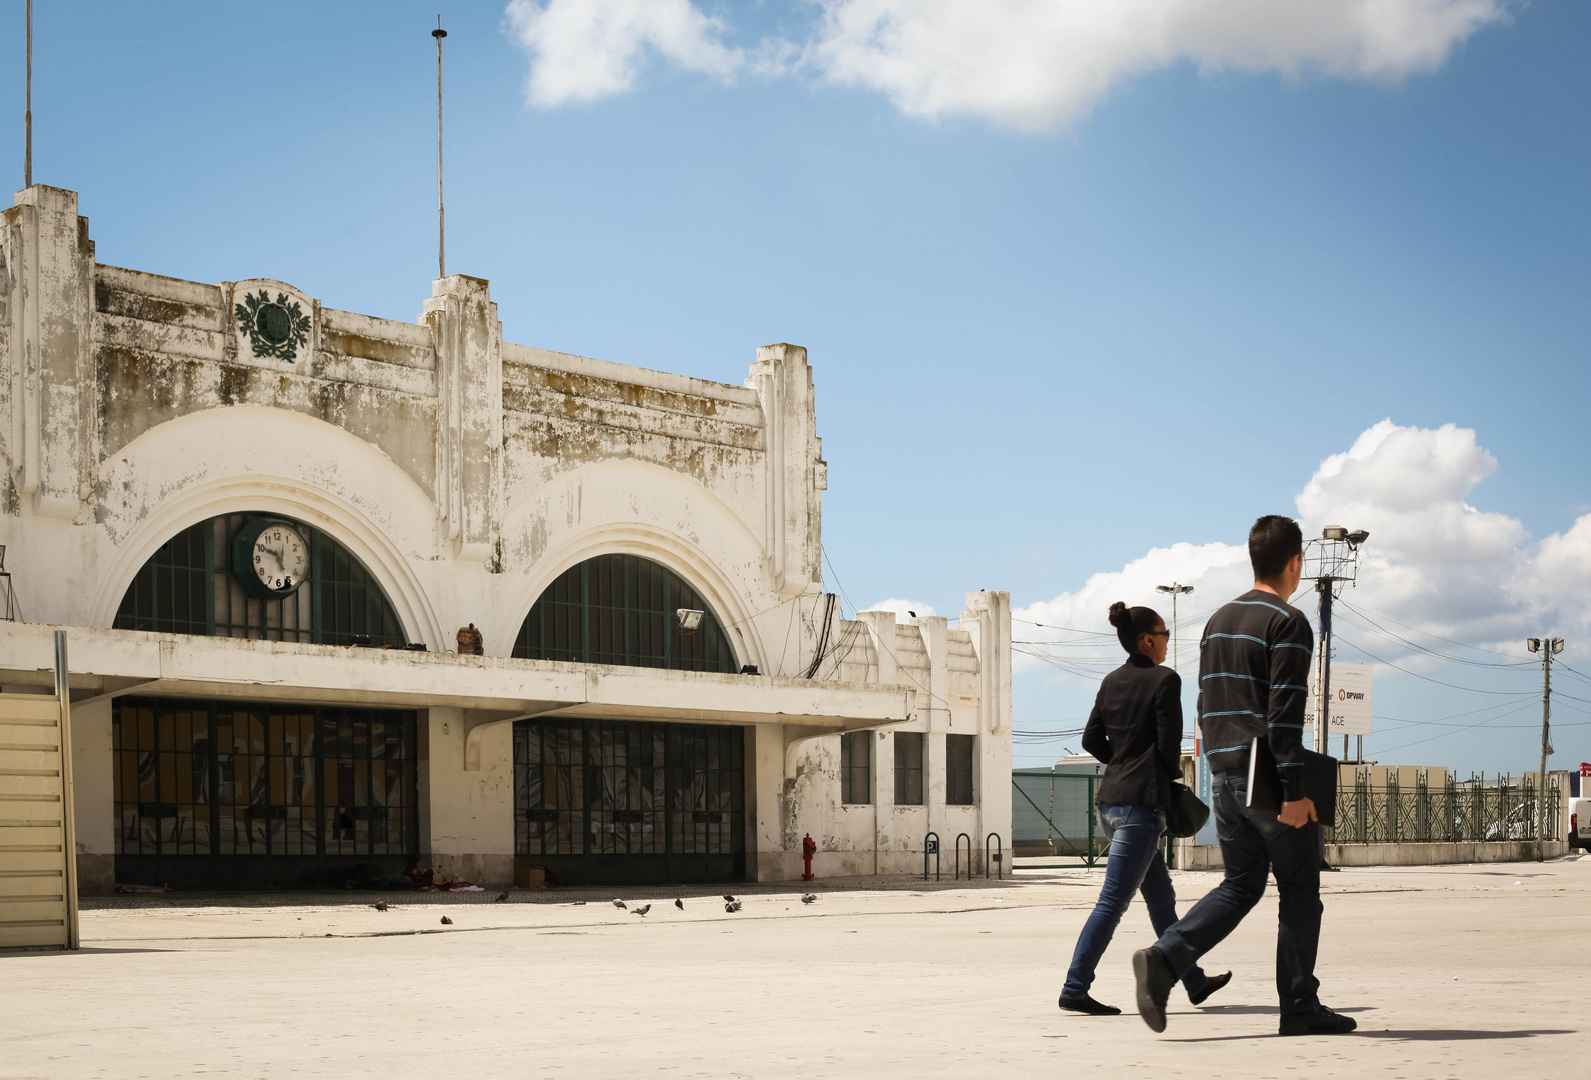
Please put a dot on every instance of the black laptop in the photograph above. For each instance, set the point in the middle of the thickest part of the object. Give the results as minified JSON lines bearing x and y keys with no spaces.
{"x":1265,"y":787}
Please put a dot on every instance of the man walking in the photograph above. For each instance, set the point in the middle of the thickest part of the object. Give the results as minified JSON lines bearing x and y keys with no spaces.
{"x":1253,"y":681}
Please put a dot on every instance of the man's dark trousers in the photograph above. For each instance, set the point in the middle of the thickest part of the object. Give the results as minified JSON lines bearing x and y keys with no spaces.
{"x":1251,"y":851}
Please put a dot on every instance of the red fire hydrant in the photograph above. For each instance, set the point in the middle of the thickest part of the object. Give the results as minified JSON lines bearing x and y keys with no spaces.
{"x":807,"y":848}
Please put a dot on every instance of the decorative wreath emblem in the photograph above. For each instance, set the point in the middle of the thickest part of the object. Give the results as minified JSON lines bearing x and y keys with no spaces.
{"x":275,"y":328}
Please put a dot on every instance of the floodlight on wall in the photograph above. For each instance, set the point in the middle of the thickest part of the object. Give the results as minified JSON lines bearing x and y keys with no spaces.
{"x":1334,"y":532}
{"x":687,"y":620}
{"x":1533,"y":644}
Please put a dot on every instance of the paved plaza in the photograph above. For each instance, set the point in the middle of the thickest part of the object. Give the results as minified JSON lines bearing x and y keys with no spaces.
{"x":1456,"y":971}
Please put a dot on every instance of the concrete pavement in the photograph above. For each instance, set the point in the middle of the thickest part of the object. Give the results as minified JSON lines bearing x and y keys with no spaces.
{"x":1450,"y":971}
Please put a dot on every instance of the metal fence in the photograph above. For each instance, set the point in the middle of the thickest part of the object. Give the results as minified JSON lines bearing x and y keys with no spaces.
{"x":1052,"y":814}
{"x":1478,"y":810}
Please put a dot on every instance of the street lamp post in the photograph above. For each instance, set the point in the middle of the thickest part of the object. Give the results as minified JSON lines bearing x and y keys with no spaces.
{"x":1337,"y":559}
{"x":1176,"y":589}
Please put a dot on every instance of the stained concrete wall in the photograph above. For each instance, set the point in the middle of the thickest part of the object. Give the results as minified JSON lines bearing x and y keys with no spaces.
{"x":466,"y":473}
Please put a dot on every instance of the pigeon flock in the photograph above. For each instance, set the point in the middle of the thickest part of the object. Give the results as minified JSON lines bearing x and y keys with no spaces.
{"x":731,"y":905}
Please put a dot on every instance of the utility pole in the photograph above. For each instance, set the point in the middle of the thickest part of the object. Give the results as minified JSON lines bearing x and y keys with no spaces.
{"x":1548,"y":647}
{"x":1176,"y":589}
{"x":27,"y":115}
{"x":441,"y":236}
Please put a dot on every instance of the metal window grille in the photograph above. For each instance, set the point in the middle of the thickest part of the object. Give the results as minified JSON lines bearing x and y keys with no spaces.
{"x":619,"y":609}
{"x":630,"y":801}
{"x":187,"y":587}
{"x":170,"y":593}
{"x":958,"y":769}
{"x":221,"y":779}
{"x":908,"y":768}
{"x":856,"y":767}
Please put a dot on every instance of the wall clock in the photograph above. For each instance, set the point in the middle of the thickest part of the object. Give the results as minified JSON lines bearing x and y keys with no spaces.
{"x":270,"y":557}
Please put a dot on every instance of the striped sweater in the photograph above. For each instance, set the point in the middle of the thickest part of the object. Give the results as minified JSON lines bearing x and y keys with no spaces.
{"x":1254,"y":664}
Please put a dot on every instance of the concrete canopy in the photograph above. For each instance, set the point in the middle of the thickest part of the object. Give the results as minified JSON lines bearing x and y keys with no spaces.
{"x":490,"y":688}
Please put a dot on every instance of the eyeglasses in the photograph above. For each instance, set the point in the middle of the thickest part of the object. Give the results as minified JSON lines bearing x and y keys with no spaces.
{"x":1162,"y":633}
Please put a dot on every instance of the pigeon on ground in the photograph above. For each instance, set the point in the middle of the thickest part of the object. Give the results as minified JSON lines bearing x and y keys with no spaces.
{"x":500,"y":898}
{"x":680,"y":904}
{"x":732,"y":907}
{"x":809,"y":897}
{"x":620,"y":905}
{"x":380,"y":905}
{"x":642,"y":910}
{"x":446,"y":921}
{"x":728,"y":899}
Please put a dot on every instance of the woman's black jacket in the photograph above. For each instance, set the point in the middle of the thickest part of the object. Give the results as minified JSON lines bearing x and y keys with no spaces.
{"x":1136,"y":730}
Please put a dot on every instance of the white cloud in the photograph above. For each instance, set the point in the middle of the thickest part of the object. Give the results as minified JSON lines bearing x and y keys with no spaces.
{"x":582,"y":50}
{"x":1433,"y":560}
{"x":1037,"y":64}
{"x":903,"y":609}
{"x":1026,"y":64}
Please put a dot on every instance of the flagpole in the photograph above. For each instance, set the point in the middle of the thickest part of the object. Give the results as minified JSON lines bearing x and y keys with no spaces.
{"x":27,"y":116}
{"x":441,"y":242}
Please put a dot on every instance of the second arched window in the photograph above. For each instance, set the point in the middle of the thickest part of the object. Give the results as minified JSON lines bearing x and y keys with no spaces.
{"x":622,"y":609}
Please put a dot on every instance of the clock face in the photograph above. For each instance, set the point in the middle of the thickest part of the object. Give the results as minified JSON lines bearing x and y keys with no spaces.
{"x":280,"y":558}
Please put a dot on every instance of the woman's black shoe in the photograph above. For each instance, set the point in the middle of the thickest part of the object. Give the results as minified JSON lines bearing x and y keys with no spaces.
{"x":1086,"y":1004}
{"x":1211,"y":985}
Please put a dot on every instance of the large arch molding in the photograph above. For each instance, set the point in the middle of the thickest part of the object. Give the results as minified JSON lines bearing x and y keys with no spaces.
{"x":638,"y":509}
{"x":182,"y":472}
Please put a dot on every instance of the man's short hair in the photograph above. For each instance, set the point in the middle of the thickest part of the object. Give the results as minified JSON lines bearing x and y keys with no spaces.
{"x":1272,"y":543}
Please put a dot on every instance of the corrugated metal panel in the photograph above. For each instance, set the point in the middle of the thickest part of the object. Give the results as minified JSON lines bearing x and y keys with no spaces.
{"x":34,"y":879}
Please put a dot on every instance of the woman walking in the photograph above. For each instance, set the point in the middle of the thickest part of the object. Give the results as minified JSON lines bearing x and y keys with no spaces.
{"x":1136,"y":731}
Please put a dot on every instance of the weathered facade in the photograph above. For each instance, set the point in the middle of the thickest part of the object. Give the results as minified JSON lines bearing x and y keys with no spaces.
{"x":438,"y":477}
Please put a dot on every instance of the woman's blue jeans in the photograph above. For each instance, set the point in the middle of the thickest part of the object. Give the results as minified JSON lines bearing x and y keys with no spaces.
{"x":1135,"y":863}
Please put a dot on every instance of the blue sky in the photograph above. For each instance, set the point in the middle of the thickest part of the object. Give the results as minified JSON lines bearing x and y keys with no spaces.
{"x":1049,"y":339}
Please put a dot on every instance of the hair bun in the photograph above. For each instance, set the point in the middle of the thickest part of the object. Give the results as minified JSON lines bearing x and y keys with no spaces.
{"x":1119,"y":615}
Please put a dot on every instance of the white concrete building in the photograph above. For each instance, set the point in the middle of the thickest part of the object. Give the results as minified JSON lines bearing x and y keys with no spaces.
{"x":225,"y":491}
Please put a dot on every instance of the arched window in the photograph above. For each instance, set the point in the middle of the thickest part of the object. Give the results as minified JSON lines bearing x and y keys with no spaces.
{"x":620,"y":609}
{"x":233,"y":576}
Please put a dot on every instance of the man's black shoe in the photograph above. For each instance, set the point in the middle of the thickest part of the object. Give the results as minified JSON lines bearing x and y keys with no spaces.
{"x":1320,"y":1022}
{"x":1087,"y":1004}
{"x":1214,"y":983}
{"x":1155,"y":979}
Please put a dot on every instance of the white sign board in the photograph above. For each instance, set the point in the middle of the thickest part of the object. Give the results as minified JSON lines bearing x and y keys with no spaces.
{"x":1350,"y":699}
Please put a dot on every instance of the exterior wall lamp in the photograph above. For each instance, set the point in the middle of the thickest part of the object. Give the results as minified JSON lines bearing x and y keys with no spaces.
{"x":687,"y":620}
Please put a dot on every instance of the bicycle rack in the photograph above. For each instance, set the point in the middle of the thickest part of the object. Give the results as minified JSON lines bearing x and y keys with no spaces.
{"x":998,"y":857}
{"x":931,"y":847}
{"x":959,"y":838}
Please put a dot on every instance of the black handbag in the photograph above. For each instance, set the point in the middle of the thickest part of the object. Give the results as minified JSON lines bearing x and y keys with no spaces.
{"x":1185,"y":811}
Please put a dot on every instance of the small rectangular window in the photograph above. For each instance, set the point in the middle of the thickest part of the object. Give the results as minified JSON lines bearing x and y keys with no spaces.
{"x":908,"y":768}
{"x":856,"y":767}
{"x":958,"y":770}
